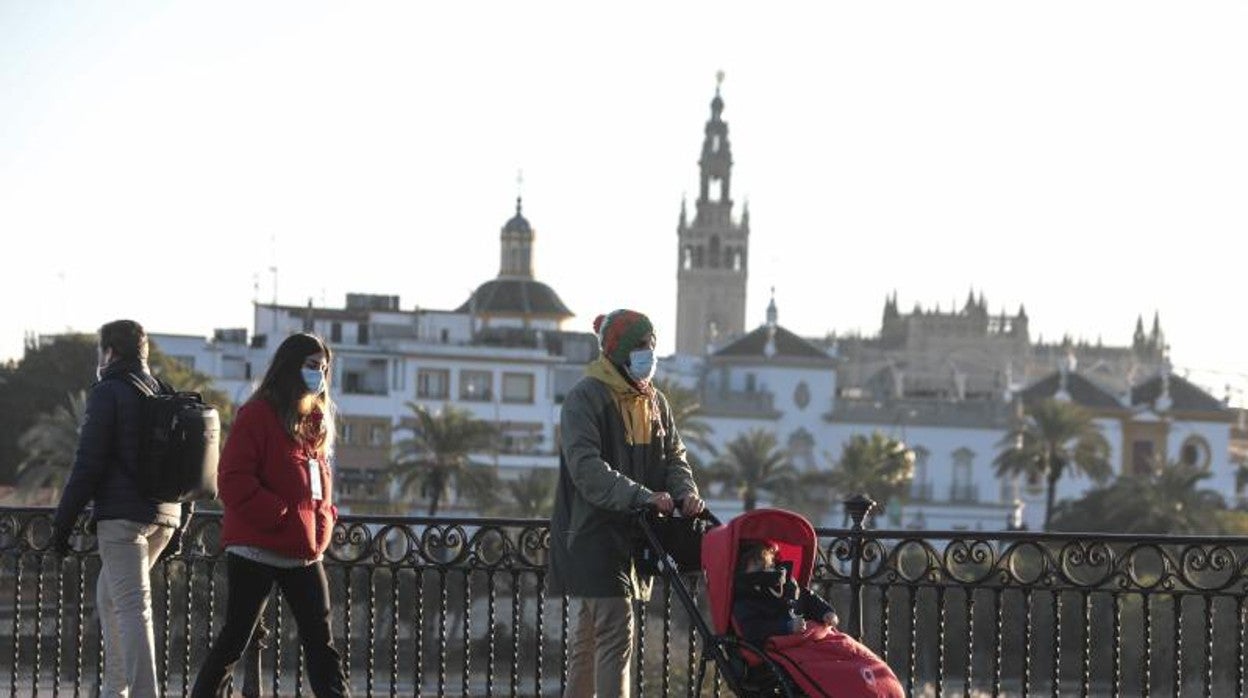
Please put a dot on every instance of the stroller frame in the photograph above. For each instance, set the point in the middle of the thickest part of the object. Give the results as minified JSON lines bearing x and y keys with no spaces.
{"x":723,"y":649}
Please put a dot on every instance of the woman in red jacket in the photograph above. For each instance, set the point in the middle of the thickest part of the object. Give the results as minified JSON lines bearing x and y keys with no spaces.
{"x":276,"y":487}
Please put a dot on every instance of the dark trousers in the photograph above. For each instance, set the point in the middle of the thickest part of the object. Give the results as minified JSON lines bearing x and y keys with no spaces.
{"x":307,"y":591}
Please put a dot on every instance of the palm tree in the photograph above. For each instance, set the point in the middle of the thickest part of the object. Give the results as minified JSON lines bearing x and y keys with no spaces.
{"x":686,"y":409}
{"x":1169,"y":502}
{"x":49,"y":446}
{"x":876,"y":465}
{"x":1054,"y":437}
{"x":532,"y":495}
{"x":752,"y":464}
{"x":438,"y":451}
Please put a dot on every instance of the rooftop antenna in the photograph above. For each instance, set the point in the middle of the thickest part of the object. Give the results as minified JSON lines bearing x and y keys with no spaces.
{"x":60,"y":275}
{"x":273,"y":264}
{"x":273,"y":270}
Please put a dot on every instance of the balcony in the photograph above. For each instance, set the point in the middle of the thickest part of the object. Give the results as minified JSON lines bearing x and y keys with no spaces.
{"x":964,"y":493}
{"x":739,"y":403}
{"x":920,"y":491}
{"x":456,"y":607}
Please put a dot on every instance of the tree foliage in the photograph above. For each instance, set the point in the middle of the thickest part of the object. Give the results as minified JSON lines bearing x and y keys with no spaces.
{"x":1169,"y":502}
{"x":42,"y":380}
{"x":876,"y":465}
{"x":752,"y":464}
{"x":438,"y":452}
{"x":1052,"y":439}
{"x":49,"y":446}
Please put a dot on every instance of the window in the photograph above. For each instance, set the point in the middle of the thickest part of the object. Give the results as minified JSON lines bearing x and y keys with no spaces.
{"x":233,"y":368}
{"x":802,"y":449}
{"x":518,"y":387}
{"x":433,"y":383}
{"x":1194,"y":452}
{"x":476,"y":386}
{"x":1143,"y":458}
{"x":801,"y":395}
{"x":751,"y":383}
{"x":364,"y":376}
{"x":377,"y":435}
{"x":348,"y":431}
{"x":335,"y":332}
{"x":920,"y":486}
{"x":361,"y":333}
{"x":1010,"y":486}
{"x":963,"y":489}
{"x":520,"y":437}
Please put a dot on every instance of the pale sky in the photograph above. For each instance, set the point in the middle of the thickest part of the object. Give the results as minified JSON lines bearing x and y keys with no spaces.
{"x":1088,"y":159}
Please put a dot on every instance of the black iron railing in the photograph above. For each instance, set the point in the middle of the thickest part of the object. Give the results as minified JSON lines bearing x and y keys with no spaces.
{"x":454,"y":607}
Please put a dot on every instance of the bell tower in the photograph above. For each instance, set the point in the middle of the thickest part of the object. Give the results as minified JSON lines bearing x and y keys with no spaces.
{"x":712,"y":253}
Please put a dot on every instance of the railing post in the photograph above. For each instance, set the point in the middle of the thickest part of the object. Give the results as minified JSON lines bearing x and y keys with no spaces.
{"x":856,"y":507}
{"x":251,"y":660}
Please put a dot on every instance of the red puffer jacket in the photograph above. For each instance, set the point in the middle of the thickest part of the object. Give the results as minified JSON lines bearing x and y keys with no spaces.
{"x":263,"y":483}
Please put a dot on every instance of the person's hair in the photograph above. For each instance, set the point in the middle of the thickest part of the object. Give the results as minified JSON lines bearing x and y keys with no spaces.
{"x":125,"y":337}
{"x":284,"y":388}
{"x":752,"y":551}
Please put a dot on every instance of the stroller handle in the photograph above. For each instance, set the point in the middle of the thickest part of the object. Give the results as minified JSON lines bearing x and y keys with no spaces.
{"x":646,"y":511}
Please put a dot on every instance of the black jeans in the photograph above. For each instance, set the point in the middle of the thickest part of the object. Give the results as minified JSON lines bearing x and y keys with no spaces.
{"x":307,"y":591}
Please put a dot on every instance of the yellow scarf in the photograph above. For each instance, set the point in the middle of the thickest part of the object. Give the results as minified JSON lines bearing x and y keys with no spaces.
{"x":638,"y":407}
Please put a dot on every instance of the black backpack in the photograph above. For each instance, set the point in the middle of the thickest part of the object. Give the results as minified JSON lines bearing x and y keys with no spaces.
{"x":179,"y":445}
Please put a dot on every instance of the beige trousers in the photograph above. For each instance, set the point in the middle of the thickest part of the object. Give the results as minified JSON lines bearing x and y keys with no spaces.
{"x":123,"y":596}
{"x":600,"y":649}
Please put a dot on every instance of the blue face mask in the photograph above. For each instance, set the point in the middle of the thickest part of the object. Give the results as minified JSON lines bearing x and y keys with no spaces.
{"x":314,"y":379}
{"x":641,"y":364}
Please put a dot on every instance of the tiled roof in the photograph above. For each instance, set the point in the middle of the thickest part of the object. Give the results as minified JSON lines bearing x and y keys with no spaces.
{"x":1082,"y":391}
{"x":1184,"y":395}
{"x":787,"y":346}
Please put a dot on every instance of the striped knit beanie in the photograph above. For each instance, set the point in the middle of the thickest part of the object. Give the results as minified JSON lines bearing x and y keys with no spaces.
{"x":619,"y":331}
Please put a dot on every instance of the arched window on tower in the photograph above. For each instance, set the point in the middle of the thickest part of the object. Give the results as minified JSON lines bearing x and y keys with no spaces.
{"x":686,"y":257}
{"x":715,"y":143}
{"x":713,"y":252}
{"x":717,"y":190}
{"x":697,"y":257}
{"x":738,"y":259}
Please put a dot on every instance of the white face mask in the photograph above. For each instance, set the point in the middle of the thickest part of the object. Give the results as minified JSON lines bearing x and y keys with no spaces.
{"x":641,"y":364}
{"x":314,"y":378}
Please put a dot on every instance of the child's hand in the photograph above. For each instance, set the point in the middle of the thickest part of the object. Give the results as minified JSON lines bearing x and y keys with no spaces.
{"x":831,"y":620}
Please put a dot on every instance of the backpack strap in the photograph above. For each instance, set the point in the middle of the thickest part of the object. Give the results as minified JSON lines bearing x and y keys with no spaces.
{"x":137,"y":382}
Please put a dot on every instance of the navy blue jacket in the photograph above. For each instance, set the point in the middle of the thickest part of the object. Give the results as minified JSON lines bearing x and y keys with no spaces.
{"x":108,"y":448}
{"x":769,"y":602}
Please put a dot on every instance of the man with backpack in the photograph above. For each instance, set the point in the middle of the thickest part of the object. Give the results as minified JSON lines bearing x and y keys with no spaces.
{"x":133,"y":530}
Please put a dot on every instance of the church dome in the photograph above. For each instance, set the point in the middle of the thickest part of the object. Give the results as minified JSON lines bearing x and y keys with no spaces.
{"x":518,"y":223}
{"x":515,"y":297}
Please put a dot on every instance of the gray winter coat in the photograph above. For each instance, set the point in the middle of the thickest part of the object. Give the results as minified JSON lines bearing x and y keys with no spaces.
{"x":601,"y":479}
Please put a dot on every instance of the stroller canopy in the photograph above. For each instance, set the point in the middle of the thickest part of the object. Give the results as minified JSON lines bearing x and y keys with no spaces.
{"x":791,"y":532}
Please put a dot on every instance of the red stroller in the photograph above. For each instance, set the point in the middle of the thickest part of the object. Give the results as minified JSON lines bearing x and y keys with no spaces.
{"x":816,"y":662}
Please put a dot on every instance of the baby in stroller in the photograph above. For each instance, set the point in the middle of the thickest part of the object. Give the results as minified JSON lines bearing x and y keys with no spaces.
{"x":798,"y":630}
{"x":768,"y":600}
